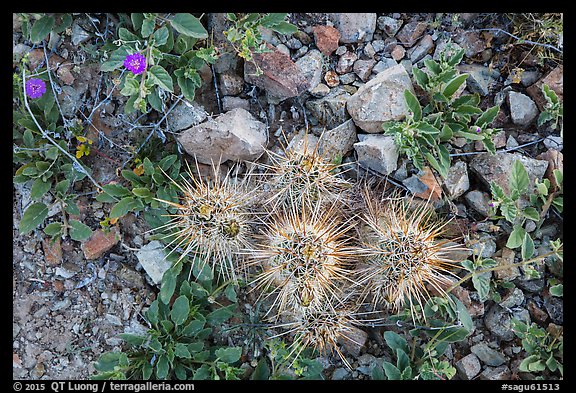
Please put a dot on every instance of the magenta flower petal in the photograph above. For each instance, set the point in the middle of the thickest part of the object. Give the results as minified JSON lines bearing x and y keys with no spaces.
{"x":35,"y":88}
{"x":135,"y":63}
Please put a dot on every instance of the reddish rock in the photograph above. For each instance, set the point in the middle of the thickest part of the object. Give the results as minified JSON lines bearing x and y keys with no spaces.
{"x":52,"y":252}
{"x":555,"y":80}
{"x":471,"y":41}
{"x":57,"y":64}
{"x":354,"y":340}
{"x":100,"y":242}
{"x":363,"y":68}
{"x":398,"y":52}
{"x":474,"y":308}
{"x":281,"y":77}
{"x":16,"y":362}
{"x":555,"y":161}
{"x":433,"y":191}
{"x":410,"y":33}
{"x":326,"y":38}
{"x":58,"y":285}
{"x":536,"y":313}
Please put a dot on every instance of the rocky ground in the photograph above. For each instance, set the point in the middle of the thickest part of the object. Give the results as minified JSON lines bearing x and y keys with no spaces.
{"x":71,"y":300}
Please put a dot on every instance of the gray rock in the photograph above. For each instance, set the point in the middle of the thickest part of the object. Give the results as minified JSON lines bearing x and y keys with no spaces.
{"x":341,"y":50}
{"x":300,"y":52}
{"x":234,"y":135}
{"x":534,"y":285}
{"x":311,"y":66}
{"x":523,"y":110}
{"x":230,"y":84}
{"x":338,"y":141}
{"x":369,"y":50}
{"x":366,"y":359}
{"x":511,"y":142}
{"x":185,"y":115}
{"x":229,"y":103}
{"x":468,"y":367}
{"x":152,"y":257}
{"x":487,"y":355}
{"x":79,"y":35}
{"x":457,"y":181}
{"x":320,"y":91}
{"x":348,"y":78}
{"x":479,"y":201}
{"x":346,"y":62}
{"x":283,"y":49}
{"x":378,"y":45}
{"x":377,"y":152}
{"x":363,"y":68}
{"x":497,"y":168}
{"x":497,"y":320}
{"x":384,"y":64}
{"x":407,"y":64}
{"x":481,"y":78}
{"x":514,"y":298}
{"x":471,"y":41}
{"x":71,"y":99}
{"x":555,"y":308}
{"x":340,"y":374}
{"x":496,"y":373}
{"x":389,"y":25}
{"x":554,"y":142}
{"x":410,"y":33}
{"x":380,"y":99}
{"x":354,"y":27}
{"x":18,"y":51}
{"x":420,"y":50}
{"x":330,"y":110}
{"x":484,"y":246}
{"x":294,"y":43}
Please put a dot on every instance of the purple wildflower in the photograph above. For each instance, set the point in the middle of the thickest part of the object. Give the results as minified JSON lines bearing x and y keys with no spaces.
{"x":135,"y":63}
{"x":35,"y":88}
{"x":478,"y":130}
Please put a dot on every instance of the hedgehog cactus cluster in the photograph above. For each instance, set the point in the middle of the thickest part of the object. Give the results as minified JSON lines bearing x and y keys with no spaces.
{"x":291,"y":230}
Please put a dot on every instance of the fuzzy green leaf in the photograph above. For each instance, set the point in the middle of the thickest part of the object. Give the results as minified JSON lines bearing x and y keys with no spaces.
{"x":395,"y":341}
{"x":39,"y":188}
{"x":284,"y":28}
{"x":516,"y":238}
{"x":392,"y":372}
{"x":519,"y":177}
{"x":421,"y":77}
{"x":452,"y":86}
{"x":413,"y":105}
{"x":133,"y":339}
{"x":34,"y":215}
{"x":162,"y":367}
{"x":53,"y":229}
{"x":527,"y":247}
{"x":220,"y":315}
{"x":488,"y":116}
{"x":189,"y":25}
{"x":229,"y":355}
{"x":159,"y":76}
{"x":168,"y":286}
{"x":180,"y":310}
{"x":79,"y":231}
{"x":557,"y":290}
{"x":531,"y":213}
{"x":42,"y":27}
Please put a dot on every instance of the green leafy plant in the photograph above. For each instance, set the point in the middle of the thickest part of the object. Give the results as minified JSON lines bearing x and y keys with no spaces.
{"x":413,"y":362}
{"x":168,"y":55}
{"x":245,"y":35}
{"x":178,"y":343}
{"x":281,"y":363}
{"x":544,"y":350}
{"x":422,"y":134}
{"x":510,"y":205}
{"x":36,"y":27}
{"x":480,"y":280}
{"x":553,"y":110}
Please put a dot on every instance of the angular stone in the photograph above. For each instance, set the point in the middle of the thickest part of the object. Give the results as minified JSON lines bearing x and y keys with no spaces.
{"x":457,"y":181}
{"x":281,"y":77}
{"x":424,"y":185}
{"x":330,"y":110}
{"x":513,"y":298}
{"x":420,"y":50}
{"x":311,"y":66}
{"x":481,"y":78}
{"x":230,"y":84}
{"x":487,"y":355}
{"x":471,"y":41}
{"x":346,"y":62}
{"x":100,"y":242}
{"x":354,"y":27}
{"x":554,"y":142}
{"x":497,"y":168}
{"x":496,"y":373}
{"x":235,"y":135}
{"x":326,"y":39}
{"x":185,"y":115}
{"x":354,"y":340}
{"x":152,"y":257}
{"x":320,"y":91}
{"x":479,"y":201}
{"x":383,"y":64}
{"x":363,"y":68}
{"x":468,"y":367}
{"x":348,"y":78}
{"x":507,"y":258}
{"x":398,"y":52}
{"x":231,"y":102}
{"x":380,"y":99}
{"x":52,"y":251}
{"x":338,"y":141}
{"x":331,"y":78}
{"x":554,"y":80}
{"x":523,"y":110}
{"x":410,"y":33}
{"x":497,"y":320}
{"x":389,"y":25}
{"x":377,"y":152}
